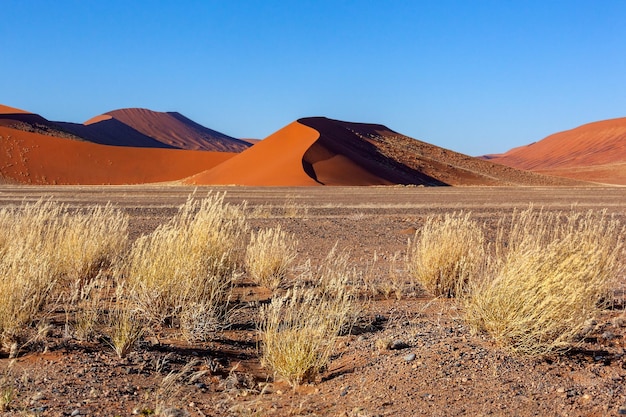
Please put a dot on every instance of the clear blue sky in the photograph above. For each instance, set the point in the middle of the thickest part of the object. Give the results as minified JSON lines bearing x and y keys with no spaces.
{"x":473,"y":76}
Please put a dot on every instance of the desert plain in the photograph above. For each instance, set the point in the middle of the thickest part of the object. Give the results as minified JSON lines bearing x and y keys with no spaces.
{"x":408,"y":353}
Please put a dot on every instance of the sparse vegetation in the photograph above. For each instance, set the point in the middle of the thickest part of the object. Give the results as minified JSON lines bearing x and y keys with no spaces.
{"x":269,"y":255}
{"x":446,"y":253}
{"x":553,"y":274}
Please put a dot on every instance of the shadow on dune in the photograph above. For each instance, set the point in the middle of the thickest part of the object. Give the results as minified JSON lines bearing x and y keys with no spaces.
{"x":113,"y":132}
{"x":346,"y":149}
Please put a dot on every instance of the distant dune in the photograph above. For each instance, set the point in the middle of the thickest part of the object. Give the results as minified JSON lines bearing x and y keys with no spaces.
{"x":142,"y":127}
{"x":592,"y":152}
{"x":321,"y":151}
{"x":33,"y":158}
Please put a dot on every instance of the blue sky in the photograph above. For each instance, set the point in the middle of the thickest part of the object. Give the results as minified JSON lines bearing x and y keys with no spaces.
{"x":473,"y":76}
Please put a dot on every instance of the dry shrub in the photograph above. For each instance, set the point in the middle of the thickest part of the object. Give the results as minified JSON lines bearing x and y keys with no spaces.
{"x":269,"y":255}
{"x":446,"y":253}
{"x":299,"y":329}
{"x":552,"y":275}
{"x":189,"y":260}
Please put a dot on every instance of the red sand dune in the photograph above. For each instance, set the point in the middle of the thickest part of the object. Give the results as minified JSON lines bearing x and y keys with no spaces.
{"x":174,"y":130}
{"x":11,"y":110}
{"x":321,"y":151}
{"x":276,"y":160}
{"x":32,"y":158}
{"x":592,"y":152}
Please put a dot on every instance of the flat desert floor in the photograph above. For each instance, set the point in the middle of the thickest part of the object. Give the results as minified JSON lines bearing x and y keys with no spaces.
{"x":439,"y":369}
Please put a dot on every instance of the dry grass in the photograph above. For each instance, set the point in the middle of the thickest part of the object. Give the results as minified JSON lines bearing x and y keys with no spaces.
{"x":299,"y":329}
{"x":298,"y":336}
{"x":552,"y":274}
{"x":446,"y":254}
{"x":269,"y":255}
{"x":126,"y":326}
{"x":190,"y":260}
{"x":49,"y":252}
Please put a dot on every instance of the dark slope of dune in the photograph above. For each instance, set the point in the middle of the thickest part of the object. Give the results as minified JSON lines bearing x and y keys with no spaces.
{"x":404,"y":160}
{"x":30,"y":122}
{"x":173,"y":130}
{"x":593,"y":152}
{"x":109,"y":131}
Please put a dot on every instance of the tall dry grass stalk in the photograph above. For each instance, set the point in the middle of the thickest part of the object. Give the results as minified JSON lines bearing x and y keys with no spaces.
{"x":190,"y":260}
{"x":269,"y":255}
{"x":446,"y":254}
{"x":552,"y":274}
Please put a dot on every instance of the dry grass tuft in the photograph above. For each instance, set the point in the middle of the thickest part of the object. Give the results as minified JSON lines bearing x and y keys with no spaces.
{"x":269,"y":255}
{"x":446,"y":253}
{"x":299,"y":329}
{"x":189,"y":261}
{"x":126,"y":326}
{"x":552,"y":275}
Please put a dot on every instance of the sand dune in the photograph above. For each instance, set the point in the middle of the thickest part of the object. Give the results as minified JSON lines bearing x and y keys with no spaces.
{"x":11,"y":110}
{"x":276,"y":160}
{"x":593,"y":152}
{"x":321,"y":151}
{"x":33,"y":158}
{"x":171,"y":129}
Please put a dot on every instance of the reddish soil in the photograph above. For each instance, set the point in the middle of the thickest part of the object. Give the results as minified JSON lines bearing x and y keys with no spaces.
{"x":593,"y":152}
{"x":442,"y":370}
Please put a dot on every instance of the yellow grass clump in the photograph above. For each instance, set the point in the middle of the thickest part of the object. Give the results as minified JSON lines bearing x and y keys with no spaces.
{"x":299,"y":330}
{"x":552,"y":274}
{"x":269,"y":255}
{"x":446,"y":253}
{"x":189,"y":261}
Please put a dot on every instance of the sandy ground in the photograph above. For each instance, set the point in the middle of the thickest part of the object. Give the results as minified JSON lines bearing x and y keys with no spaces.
{"x":442,"y":369}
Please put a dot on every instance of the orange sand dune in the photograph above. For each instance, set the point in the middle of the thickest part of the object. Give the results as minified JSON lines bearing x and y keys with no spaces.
{"x":174,"y":129}
{"x":32,"y":158}
{"x":11,"y":110}
{"x":276,"y":160}
{"x":593,"y":152}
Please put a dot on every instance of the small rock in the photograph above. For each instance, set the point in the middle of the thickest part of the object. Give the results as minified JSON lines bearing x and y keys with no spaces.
{"x":174,"y":412}
{"x":75,"y":413}
{"x":608,"y":336}
{"x":410,"y":357}
{"x":621,"y":411}
{"x":398,"y":345}
{"x":560,"y":390}
{"x":38,"y":396}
